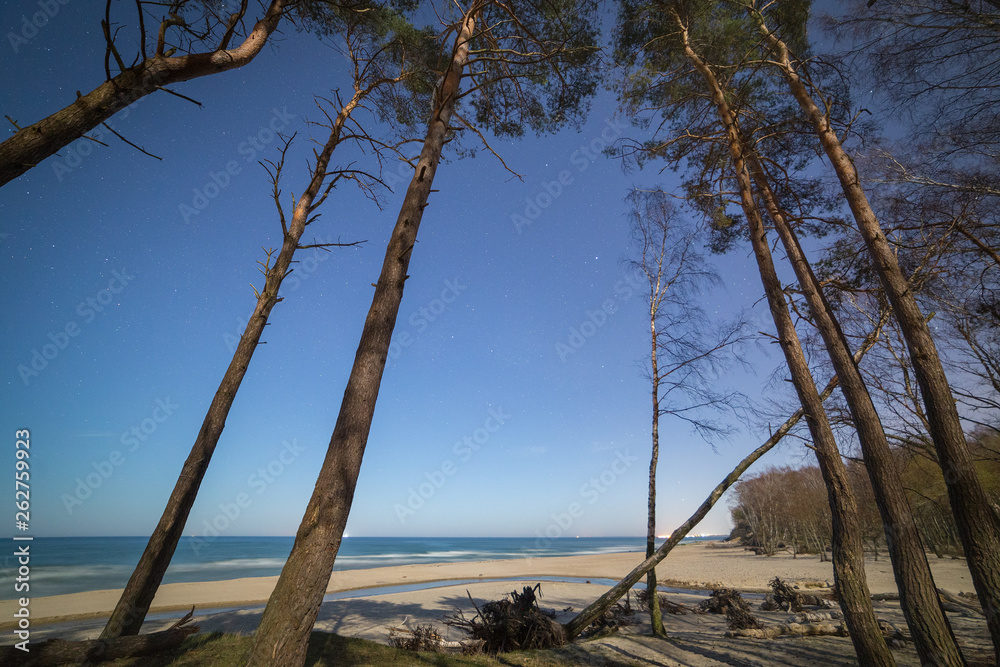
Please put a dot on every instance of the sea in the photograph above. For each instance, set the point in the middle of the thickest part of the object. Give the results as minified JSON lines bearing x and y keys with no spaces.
{"x":60,"y":565}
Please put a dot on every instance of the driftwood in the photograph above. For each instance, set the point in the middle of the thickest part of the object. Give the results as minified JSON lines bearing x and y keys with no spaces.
{"x":885,"y":596}
{"x":797,"y":629}
{"x":721,"y":599}
{"x":510,"y":624}
{"x":667,"y":606}
{"x":616,"y":617}
{"x":955,"y":604}
{"x":822,"y":627}
{"x":816,"y":616}
{"x":786,"y":597}
{"x":426,"y":638}
{"x":62,"y":651}
{"x":949,"y":601}
{"x":740,"y":618}
{"x":670,"y":607}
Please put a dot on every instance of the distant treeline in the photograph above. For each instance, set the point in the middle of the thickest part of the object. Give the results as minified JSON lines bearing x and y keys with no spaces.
{"x":785,"y":508}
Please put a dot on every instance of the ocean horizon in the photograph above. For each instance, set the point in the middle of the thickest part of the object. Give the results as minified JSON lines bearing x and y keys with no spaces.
{"x":62,"y":565}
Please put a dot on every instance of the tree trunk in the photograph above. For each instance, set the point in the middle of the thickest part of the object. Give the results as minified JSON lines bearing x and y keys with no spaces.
{"x":32,"y":144}
{"x":655,"y":615}
{"x":978,"y":523}
{"x":283,"y":635}
{"x":134,"y":603}
{"x":848,"y":549}
{"x":932,"y":633}
{"x":91,"y":651}
{"x":597,"y":608}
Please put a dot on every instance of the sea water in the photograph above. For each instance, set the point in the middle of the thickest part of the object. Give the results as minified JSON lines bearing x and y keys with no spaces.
{"x":61,"y":565}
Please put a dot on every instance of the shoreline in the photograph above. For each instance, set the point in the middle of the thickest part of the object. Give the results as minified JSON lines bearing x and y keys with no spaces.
{"x":685,"y":567}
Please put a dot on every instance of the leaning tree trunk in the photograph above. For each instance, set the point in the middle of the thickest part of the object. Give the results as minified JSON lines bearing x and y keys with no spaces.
{"x":597,"y":608}
{"x":978,"y":523}
{"x":848,"y":549}
{"x":655,"y":615}
{"x":32,"y":144}
{"x":283,"y":635}
{"x":134,"y":603}
{"x":932,"y":633}
{"x":93,"y":651}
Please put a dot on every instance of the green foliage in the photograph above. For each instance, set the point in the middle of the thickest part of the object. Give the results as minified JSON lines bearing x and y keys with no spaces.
{"x":387,"y":45}
{"x":662,"y":88}
{"x":326,"y":18}
{"x":533,"y":65}
{"x":788,"y":505}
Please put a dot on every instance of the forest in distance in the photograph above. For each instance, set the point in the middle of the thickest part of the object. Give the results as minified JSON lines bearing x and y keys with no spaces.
{"x":849,"y":150}
{"x":784,"y":508}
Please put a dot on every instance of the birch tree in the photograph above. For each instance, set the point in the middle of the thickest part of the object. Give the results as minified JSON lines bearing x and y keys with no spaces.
{"x":598,"y":607}
{"x":686,"y":349}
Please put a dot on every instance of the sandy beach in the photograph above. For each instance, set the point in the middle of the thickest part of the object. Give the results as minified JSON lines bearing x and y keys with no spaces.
{"x":235,"y":605}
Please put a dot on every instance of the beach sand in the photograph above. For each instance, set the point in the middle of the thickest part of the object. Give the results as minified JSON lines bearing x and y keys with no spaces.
{"x":236,"y":605}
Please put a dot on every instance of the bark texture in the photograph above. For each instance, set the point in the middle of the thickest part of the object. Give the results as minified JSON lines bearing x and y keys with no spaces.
{"x":848,"y":554}
{"x":932,"y":634}
{"x":283,"y":635}
{"x":133,"y":605}
{"x":34,"y":143}
{"x":93,"y":651}
{"x":978,"y":523}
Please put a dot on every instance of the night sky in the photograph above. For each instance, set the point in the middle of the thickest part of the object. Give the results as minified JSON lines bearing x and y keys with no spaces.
{"x":514,"y":386}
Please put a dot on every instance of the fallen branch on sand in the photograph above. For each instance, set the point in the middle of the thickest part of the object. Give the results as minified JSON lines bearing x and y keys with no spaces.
{"x":949,"y":601}
{"x":797,"y":629}
{"x":787,"y":598}
{"x":426,"y":638}
{"x":61,"y":651}
{"x":667,"y":606}
{"x":817,"y":624}
{"x":955,"y":604}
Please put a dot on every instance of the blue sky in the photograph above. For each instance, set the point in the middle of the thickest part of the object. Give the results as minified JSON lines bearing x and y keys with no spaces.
{"x":482,"y":427}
